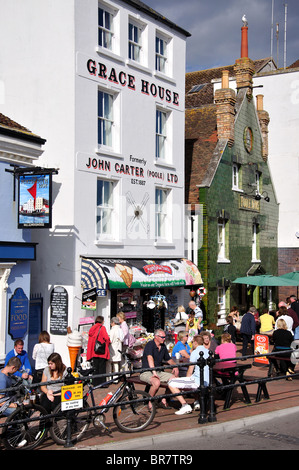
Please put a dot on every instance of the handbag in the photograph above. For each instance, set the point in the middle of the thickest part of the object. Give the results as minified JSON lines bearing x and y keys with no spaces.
{"x":99,"y":347}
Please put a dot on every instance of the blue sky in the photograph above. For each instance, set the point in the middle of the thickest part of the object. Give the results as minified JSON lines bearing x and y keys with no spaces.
{"x":215,"y":26}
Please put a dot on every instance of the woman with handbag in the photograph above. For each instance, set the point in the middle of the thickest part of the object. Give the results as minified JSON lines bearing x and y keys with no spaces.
{"x":98,"y":349}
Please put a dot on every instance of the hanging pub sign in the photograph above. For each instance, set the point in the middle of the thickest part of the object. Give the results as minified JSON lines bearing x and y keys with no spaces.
{"x":89,"y":299}
{"x":35,"y":200}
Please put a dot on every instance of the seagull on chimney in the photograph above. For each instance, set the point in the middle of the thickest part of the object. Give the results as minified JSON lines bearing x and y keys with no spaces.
{"x":244,"y":19}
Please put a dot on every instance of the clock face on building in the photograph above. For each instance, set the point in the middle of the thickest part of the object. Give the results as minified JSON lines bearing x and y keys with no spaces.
{"x":248,"y":139}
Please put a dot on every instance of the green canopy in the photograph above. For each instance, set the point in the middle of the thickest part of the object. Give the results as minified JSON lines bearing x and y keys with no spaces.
{"x":293,"y":275}
{"x":266,"y":280}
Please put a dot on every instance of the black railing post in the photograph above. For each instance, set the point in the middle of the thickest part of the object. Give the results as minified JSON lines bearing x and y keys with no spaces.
{"x":203,"y":415}
{"x":69,"y":380}
{"x":211,"y":361}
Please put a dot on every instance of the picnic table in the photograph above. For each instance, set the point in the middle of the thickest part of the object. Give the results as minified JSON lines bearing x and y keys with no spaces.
{"x":230,"y":373}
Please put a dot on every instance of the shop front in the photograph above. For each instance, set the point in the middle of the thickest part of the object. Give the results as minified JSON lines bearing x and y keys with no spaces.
{"x":147,"y":291}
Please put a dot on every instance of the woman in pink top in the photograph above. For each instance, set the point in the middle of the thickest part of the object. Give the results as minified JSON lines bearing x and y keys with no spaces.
{"x":227,"y":349}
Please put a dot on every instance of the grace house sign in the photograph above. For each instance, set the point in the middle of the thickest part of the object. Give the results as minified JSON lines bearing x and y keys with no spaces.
{"x":92,"y":68}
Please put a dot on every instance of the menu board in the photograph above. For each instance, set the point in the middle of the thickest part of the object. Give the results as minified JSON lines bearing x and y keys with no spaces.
{"x":59,"y":311}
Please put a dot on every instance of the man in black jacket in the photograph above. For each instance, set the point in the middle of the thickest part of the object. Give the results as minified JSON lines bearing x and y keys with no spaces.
{"x":248,"y":330}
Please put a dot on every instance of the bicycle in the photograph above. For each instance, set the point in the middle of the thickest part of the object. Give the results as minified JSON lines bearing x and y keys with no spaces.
{"x":131,"y":412}
{"x":25,"y":428}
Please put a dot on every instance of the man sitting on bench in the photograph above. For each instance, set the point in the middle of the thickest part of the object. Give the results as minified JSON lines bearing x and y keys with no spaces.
{"x":154,"y":354}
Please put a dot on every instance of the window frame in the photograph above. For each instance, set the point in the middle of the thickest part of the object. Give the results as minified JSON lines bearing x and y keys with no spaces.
{"x":106,"y":30}
{"x":162,"y":223}
{"x":161,"y":135}
{"x":159,"y":56}
{"x":134,"y":46}
{"x":236,"y":177}
{"x":223,"y":250}
{"x":108,"y":210}
{"x":255,"y":246}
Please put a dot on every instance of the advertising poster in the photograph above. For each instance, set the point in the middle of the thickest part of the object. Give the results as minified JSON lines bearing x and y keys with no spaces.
{"x":261,"y":345}
{"x":34,"y":204}
{"x":89,"y":299}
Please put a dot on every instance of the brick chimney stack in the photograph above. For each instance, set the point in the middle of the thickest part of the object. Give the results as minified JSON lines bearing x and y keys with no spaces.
{"x":244,"y":67}
{"x":225,"y":99}
{"x":264,"y":120}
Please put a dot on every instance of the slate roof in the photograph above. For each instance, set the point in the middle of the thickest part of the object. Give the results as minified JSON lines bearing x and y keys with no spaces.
{"x":205,"y":95}
{"x":157,"y":16}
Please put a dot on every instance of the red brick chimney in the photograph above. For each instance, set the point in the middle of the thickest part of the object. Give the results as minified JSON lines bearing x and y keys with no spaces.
{"x":225,"y":100}
{"x":244,"y":67}
{"x":264,"y":120}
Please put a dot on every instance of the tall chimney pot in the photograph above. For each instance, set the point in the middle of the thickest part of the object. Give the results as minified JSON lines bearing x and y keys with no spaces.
{"x":244,"y":41}
{"x":225,"y":79}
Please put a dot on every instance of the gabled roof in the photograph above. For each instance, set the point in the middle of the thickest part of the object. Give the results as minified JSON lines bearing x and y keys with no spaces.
{"x":206,"y":94}
{"x":11,"y":128}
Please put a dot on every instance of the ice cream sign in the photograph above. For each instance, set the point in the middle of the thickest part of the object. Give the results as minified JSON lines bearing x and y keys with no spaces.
{"x":137,"y":273}
{"x":89,"y":299}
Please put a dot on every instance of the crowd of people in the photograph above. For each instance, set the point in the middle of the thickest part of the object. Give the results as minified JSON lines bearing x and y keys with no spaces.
{"x":282,"y":326}
{"x":50,"y":367}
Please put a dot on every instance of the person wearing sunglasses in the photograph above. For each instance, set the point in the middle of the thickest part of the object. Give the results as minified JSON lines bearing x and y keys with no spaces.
{"x":156,"y":354}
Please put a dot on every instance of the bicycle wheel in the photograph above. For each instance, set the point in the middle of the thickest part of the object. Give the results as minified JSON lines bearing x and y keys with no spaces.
{"x":79,"y":423}
{"x":135,"y":416}
{"x":25,"y":436}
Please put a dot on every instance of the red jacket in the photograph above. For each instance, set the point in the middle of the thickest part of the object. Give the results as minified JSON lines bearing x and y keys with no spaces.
{"x":92,"y":336}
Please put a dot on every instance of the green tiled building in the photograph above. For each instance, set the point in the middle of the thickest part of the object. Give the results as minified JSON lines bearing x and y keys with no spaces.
{"x":229,"y":188}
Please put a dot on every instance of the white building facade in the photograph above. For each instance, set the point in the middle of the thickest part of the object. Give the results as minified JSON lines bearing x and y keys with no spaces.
{"x":105,"y":82}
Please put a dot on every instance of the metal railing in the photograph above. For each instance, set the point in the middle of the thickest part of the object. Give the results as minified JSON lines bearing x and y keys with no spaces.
{"x":205,"y":394}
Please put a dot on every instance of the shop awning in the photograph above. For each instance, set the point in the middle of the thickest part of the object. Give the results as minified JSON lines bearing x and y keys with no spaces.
{"x":138,"y":273}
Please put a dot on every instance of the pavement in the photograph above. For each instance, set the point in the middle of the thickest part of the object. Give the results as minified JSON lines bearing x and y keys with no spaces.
{"x":284,"y":399}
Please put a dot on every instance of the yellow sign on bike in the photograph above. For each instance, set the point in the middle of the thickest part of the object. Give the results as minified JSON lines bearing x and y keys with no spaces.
{"x":71,"y":397}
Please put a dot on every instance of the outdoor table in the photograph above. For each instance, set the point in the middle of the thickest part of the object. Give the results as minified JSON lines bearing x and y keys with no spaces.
{"x":230,"y":374}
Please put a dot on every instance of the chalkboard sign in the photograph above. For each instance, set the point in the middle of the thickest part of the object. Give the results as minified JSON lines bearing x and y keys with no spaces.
{"x":59,"y":311}
{"x":18,"y":314}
